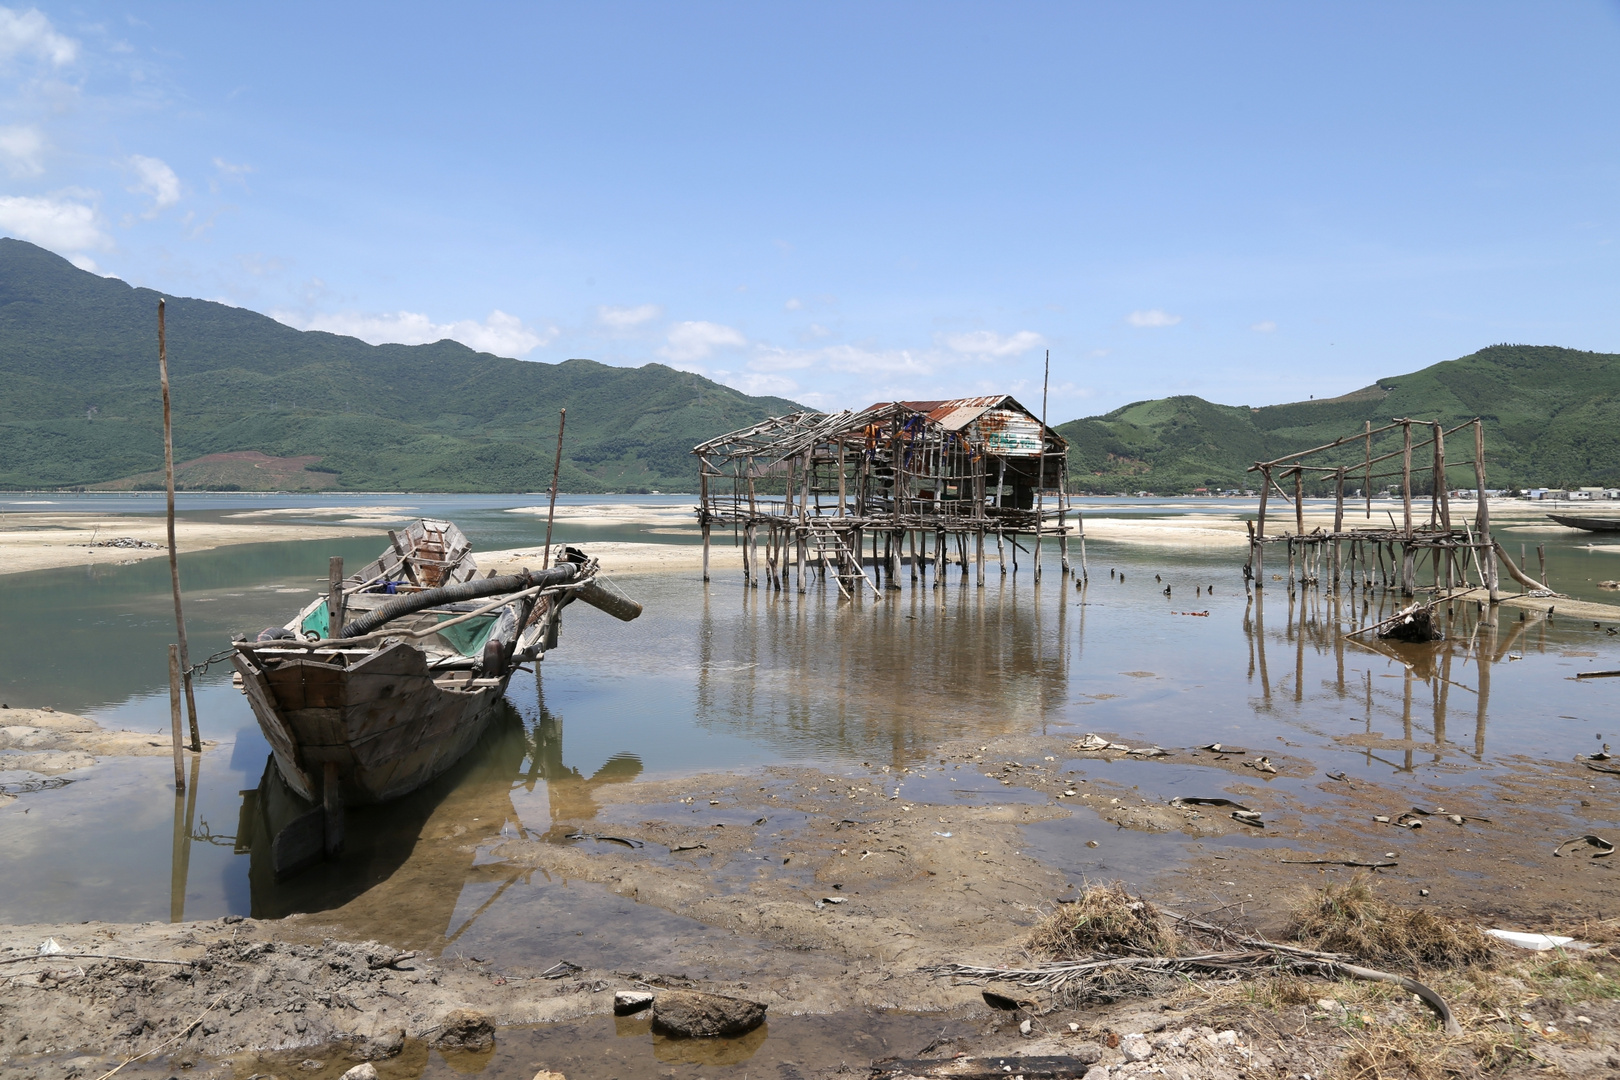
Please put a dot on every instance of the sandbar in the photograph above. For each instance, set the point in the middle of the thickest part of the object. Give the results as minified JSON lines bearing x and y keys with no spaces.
{"x":52,"y":541}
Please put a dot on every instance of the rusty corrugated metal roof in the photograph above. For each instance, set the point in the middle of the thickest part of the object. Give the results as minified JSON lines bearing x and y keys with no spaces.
{"x":956,"y":413}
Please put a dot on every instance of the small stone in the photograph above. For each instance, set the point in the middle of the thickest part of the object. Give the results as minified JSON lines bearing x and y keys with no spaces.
{"x":311,"y":1065}
{"x":1135,"y":1048}
{"x":547,"y":1074}
{"x":692,"y":1014}
{"x":1226,"y":1038}
{"x":1023,"y":1028}
{"x":465,"y":1029}
{"x":626,"y":1002}
{"x":1091,"y":843}
{"x":1074,"y":1027}
{"x":1096,"y":1072}
{"x":1423,"y":892}
{"x":368,"y":1071}
{"x":1583,"y":1019}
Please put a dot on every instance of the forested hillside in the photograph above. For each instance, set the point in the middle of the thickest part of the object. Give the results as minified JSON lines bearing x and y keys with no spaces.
{"x":80,"y":404}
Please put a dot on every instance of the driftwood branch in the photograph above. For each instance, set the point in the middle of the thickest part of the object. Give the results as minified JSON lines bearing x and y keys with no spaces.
{"x":1252,"y":953}
{"x":97,"y":956}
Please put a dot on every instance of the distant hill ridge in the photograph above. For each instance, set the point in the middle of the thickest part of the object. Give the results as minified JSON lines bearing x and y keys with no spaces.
{"x":260,"y":405}
{"x":80,"y":405}
{"x":1552,"y":417}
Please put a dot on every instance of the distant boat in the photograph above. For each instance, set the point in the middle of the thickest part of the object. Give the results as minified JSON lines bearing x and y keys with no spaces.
{"x":1587,"y":523}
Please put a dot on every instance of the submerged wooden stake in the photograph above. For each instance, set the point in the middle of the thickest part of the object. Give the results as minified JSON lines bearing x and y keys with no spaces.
{"x":174,"y":562}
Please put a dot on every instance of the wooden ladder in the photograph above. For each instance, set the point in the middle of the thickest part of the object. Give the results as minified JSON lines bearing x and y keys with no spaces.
{"x":826,"y":539}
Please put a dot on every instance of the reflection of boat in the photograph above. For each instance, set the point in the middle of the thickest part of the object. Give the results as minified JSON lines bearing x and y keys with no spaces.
{"x":1587,"y":523}
{"x":375,"y":689}
{"x":405,"y":862}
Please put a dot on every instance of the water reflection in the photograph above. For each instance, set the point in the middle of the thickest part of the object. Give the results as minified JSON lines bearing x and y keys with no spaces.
{"x":406,"y":863}
{"x":1318,"y":626}
{"x":571,"y":795}
{"x":888,"y":678}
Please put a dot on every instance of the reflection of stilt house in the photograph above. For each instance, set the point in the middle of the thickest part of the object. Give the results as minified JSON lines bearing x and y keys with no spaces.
{"x":936,"y":478}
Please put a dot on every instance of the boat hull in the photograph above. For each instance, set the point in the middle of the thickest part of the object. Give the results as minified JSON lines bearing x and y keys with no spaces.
{"x":385,"y":724}
{"x":1589,"y":524}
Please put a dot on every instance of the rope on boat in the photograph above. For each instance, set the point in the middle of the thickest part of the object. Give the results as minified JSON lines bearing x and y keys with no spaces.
{"x":197,"y":670}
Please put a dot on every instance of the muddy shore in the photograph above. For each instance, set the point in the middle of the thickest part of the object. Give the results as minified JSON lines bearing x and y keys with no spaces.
{"x":832,"y":896}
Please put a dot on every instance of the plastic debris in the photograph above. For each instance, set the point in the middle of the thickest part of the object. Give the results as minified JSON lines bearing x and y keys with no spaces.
{"x":1538,"y":942}
{"x":1579,"y":845}
{"x":49,"y":947}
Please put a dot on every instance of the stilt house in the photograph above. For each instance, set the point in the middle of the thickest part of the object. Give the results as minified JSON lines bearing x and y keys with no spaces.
{"x":927,"y":475}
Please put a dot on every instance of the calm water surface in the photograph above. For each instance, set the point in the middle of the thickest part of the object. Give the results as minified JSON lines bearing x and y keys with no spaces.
{"x":715,"y":677}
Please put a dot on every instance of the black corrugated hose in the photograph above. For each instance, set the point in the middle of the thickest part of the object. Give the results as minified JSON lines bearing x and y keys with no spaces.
{"x":475,"y":589}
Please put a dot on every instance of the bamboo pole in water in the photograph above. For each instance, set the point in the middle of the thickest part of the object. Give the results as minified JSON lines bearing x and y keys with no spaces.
{"x":174,"y":562}
{"x":174,"y":716}
{"x":556,"y":473}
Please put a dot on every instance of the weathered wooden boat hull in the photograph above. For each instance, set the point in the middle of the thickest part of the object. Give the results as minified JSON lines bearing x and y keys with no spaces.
{"x":1589,"y":524}
{"x":395,"y":855}
{"x":385,"y":724}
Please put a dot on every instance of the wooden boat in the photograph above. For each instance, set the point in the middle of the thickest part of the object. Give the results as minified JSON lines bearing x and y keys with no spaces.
{"x":381,"y":685}
{"x":1588,"y":523}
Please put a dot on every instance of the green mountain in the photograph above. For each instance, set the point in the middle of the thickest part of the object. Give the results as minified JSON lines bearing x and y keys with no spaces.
{"x":1552,"y":418}
{"x":80,"y":403}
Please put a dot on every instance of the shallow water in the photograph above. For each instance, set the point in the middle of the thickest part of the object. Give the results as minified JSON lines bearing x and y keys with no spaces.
{"x":720,"y":677}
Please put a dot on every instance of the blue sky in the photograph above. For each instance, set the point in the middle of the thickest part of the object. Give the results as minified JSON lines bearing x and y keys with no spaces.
{"x":843,"y":203}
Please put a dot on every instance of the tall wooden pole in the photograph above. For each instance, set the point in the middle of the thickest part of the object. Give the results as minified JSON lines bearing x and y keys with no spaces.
{"x":1366,"y":488}
{"x":1258,"y":558}
{"x":556,"y":472}
{"x":174,"y":561}
{"x":1482,"y":524}
{"x":1406,"y":478}
{"x":1040,"y":478}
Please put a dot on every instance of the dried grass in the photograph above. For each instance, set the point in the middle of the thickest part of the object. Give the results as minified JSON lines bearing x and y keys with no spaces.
{"x":1351,"y":918}
{"x":1105,"y":921}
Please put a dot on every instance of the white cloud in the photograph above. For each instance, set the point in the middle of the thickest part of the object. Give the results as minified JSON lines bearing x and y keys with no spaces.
{"x":153,"y":177}
{"x":759,"y":385}
{"x":688,"y":341}
{"x":1266,"y":327}
{"x":1152,"y":317}
{"x":793,"y":304}
{"x":22,"y":146}
{"x":84,"y":262}
{"x":501,"y":334}
{"x":990,"y":343}
{"x":227,"y":173}
{"x":30,"y":33}
{"x":845,"y":359}
{"x":627,"y":318}
{"x":60,"y":224}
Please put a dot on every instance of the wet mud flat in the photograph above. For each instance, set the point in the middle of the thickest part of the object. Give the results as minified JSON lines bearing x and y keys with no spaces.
{"x":833,"y":896}
{"x":949,"y":817}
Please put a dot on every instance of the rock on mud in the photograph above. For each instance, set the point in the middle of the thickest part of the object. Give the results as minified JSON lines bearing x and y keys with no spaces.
{"x":368,"y":1071}
{"x":626,"y":1002}
{"x":465,"y":1029}
{"x":695,"y":1015}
